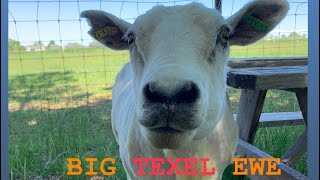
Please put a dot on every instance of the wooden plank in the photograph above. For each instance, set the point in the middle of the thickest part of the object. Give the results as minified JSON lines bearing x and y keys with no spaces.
{"x":249,"y":111}
{"x":297,"y":150}
{"x":294,"y":90}
{"x":270,"y":71}
{"x":302,"y":97}
{"x":247,"y":150}
{"x":279,"y":119}
{"x":300,"y":146}
{"x":267,"y":62}
{"x":264,"y":78}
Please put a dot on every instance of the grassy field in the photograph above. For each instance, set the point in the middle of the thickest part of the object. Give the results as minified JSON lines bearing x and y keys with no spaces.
{"x":60,"y":106}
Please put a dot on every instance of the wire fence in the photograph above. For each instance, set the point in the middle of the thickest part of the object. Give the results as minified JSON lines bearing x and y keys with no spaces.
{"x":53,"y":62}
{"x":57,"y":72}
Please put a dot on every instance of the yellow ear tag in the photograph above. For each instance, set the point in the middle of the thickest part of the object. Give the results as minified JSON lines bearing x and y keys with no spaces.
{"x":106,"y":31}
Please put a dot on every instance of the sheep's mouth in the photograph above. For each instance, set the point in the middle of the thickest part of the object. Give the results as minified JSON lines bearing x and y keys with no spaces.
{"x":166,"y":129}
{"x":167,"y":137}
{"x":158,"y":119}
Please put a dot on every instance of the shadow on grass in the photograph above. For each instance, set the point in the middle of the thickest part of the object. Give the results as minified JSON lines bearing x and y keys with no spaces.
{"x":41,"y":141}
{"x":37,"y":87}
{"x":47,"y":89}
{"x":42,"y":138}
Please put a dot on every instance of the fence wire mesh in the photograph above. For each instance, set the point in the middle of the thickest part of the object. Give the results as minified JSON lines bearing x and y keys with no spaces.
{"x":49,"y":44}
{"x":54,"y":64}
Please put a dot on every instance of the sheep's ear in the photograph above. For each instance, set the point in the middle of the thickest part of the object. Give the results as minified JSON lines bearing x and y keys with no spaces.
{"x":107,"y":28}
{"x":255,"y":20}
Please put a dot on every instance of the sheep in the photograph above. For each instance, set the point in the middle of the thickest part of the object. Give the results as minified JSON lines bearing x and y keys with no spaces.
{"x":170,"y":100}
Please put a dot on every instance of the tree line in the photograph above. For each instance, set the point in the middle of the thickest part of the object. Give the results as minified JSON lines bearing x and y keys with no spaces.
{"x":15,"y":46}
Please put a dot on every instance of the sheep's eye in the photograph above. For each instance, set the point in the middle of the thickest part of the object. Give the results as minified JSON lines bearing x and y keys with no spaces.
{"x":224,"y":35}
{"x":131,"y":38}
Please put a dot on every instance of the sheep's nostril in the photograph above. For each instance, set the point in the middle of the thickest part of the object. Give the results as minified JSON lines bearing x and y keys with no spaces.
{"x":151,"y":94}
{"x":187,"y":93}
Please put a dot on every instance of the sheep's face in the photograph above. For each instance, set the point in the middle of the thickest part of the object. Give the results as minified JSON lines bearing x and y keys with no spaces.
{"x":179,"y":57}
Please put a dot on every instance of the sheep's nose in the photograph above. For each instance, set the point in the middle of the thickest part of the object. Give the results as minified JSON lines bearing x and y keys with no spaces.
{"x":186,"y":92}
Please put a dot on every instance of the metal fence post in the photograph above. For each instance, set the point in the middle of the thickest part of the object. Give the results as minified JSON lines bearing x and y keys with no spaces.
{"x":218,"y":5}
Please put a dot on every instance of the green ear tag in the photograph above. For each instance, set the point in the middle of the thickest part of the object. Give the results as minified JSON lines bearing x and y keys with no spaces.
{"x":106,"y":31}
{"x":256,"y":23}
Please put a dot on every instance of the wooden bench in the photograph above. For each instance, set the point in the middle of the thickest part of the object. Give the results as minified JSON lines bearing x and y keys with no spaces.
{"x":255,"y":77}
{"x":279,"y":119}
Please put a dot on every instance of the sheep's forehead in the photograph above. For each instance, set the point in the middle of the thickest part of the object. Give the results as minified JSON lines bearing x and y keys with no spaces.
{"x":191,"y":17}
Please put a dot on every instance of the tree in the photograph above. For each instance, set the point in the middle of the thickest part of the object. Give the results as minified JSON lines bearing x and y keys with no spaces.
{"x":283,"y":36}
{"x":294,"y":35}
{"x":73,"y":46}
{"x":51,"y":43}
{"x":270,"y":37}
{"x":304,"y":36}
{"x":15,"y":46}
{"x":52,"y":46}
{"x":95,"y":44}
{"x":38,"y":44}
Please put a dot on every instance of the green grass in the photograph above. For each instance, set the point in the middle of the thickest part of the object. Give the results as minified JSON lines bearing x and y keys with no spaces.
{"x":60,"y":107}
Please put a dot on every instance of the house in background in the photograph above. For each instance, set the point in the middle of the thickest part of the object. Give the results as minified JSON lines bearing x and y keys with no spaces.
{"x":35,"y":48}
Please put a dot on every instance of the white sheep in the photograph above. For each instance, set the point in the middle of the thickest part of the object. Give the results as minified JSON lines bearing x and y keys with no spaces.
{"x":170,"y":100}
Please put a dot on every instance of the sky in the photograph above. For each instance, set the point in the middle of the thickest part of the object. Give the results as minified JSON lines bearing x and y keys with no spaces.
{"x":58,"y":20}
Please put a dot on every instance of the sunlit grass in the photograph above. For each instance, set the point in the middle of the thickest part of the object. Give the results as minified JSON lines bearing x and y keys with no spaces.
{"x":60,"y":107}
